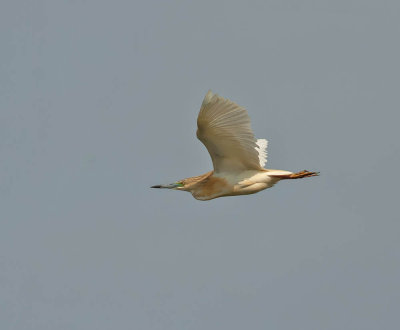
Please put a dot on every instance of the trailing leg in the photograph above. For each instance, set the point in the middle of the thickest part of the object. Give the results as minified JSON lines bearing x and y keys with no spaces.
{"x":298,"y":175}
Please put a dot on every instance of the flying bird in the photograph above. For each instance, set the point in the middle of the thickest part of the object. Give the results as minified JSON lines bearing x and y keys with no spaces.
{"x":238,"y":158}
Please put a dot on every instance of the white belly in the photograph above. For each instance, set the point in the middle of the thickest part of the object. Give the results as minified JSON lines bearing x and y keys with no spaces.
{"x":250,"y":182}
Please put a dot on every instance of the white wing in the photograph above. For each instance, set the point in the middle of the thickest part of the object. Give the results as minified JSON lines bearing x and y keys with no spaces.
{"x":224,"y":128}
{"x":261,"y":148}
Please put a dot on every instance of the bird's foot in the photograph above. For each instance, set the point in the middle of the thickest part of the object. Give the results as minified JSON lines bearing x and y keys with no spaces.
{"x":302,"y":174}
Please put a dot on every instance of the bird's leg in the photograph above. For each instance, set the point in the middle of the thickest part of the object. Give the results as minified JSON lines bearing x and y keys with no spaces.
{"x":298,"y":175}
{"x":302,"y":174}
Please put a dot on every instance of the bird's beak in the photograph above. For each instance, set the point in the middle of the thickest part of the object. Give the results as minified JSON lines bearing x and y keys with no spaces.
{"x":168,"y":186}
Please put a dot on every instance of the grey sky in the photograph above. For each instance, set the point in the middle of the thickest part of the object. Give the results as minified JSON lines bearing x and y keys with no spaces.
{"x":98,"y":101}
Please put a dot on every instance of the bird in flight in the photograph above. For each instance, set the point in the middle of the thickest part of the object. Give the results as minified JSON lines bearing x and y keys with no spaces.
{"x":238,"y":158}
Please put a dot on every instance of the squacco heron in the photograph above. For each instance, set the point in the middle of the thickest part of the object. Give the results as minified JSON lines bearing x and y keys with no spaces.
{"x":238,"y":158}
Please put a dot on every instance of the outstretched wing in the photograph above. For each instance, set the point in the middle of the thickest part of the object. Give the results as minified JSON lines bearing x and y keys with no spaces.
{"x":224,"y":128}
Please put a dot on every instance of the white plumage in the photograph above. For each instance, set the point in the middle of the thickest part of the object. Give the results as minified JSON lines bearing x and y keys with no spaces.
{"x":261,"y":148}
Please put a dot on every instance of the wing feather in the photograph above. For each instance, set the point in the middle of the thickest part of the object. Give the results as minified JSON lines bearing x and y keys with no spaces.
{"x":262,"y":145}
{"x":224,"y":128}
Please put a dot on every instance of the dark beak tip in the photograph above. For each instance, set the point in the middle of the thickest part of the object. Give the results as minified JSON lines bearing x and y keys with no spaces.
{"x":156,"y":186}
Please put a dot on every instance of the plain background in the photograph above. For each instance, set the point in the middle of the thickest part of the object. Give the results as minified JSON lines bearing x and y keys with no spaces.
{"x":98,"y":101}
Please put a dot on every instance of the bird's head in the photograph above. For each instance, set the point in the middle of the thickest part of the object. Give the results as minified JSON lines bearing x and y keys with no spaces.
{"x":188,"y":184}
{"x":179,"y":185}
